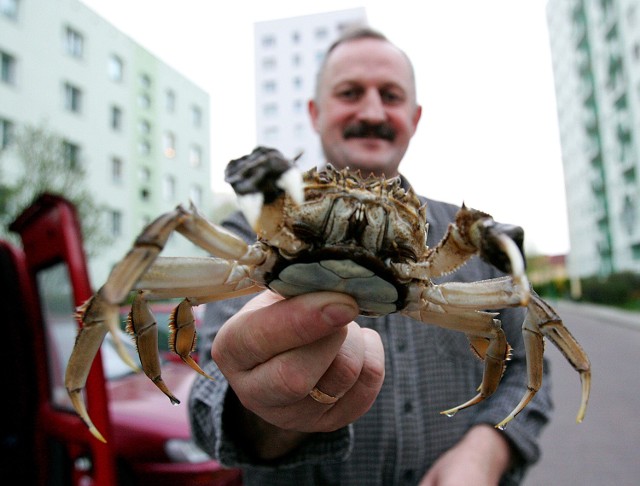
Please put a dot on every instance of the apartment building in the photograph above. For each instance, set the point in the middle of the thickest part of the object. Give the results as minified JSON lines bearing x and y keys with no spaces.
{"x":138,"y":127}
{"x":288,"y":53}
{"x":595,"y":47}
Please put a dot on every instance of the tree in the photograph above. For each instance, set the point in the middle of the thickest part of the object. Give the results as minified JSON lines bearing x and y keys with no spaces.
{"x":45,"y":162}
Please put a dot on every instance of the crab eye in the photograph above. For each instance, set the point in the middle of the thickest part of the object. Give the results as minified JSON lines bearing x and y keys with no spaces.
{"x":406,"y":253}
{"x":312,"y":195}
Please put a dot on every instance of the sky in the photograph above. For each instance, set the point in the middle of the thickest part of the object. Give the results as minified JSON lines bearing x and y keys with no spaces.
{"x":488,"y":136}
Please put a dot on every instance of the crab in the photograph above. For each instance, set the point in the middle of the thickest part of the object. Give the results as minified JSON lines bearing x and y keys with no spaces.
{"x":326,"y":230}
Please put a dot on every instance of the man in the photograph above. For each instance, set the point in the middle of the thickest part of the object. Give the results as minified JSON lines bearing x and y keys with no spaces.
{"x":306,"y":392}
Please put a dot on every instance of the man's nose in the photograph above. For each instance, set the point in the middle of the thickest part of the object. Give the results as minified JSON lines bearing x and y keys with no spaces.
{"x":372,"y":108}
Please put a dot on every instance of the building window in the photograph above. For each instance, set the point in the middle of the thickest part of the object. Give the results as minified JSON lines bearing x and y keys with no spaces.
{"x":170,"y":101}
{"x":73,"y":42}
{"x":145,"y":81}
{"x":295,"y":37}
{"x":115,"y":223}
{"x":269,"y":86}
{"x":6,"y":133}
{"x":195,"y":195}
{"x":296,"y":60}
{"x":169,"y":188}
{"x":144,"y":147}
{"x":145,"y":194}
{"x":72,"y":98}
{"x":298,"y":106}
{"x":145,"y":127}
{"x":71,"y":154}
{"x":271,"y":133}
{"x":144,"y":101}
{"x":268,"y":40}
{"x":7,"y":68}
{"x":269,"y":63}
{"x":116,"y":170}
{"x":116,"y":118}
{"x":195,"y":156}
{"x":297,"y":82}
{"x":144,"y":174}
{"x":169,"y":144}
{"x":629,"y":215}
{"x":196,"y":116}
{"x":321,"y":33}
{"x":9,"y":8}
{"x":270,"y":109}
{"x":115,"y":68}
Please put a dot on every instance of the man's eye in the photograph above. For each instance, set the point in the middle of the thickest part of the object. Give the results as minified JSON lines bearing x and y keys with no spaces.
{"x":349,"y":94}
{"x":391,"y":97}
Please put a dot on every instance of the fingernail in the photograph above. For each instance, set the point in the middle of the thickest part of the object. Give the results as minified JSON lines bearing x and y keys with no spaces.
{"x":339,"y":313}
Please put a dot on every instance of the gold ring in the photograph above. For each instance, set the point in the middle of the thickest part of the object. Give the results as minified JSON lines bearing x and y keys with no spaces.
{"x":322,"y":397}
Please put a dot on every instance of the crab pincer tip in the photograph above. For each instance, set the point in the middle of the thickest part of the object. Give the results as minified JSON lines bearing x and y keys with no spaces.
{"x":81,"y":410}
{"x":96,"y":433}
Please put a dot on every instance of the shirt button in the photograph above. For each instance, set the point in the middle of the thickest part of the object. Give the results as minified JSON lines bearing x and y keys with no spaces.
{"x":408,"y":407}
{"x":402,"y":346}
{"x":408,"y":475}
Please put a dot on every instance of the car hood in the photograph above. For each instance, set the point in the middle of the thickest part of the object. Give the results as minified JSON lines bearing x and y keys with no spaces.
{"x":143,"y":418}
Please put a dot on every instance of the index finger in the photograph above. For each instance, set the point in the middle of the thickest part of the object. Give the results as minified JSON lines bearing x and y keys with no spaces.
{"x":269,"y":325}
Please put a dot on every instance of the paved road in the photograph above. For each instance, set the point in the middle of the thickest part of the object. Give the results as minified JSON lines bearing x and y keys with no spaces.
{"x":605,"y":448}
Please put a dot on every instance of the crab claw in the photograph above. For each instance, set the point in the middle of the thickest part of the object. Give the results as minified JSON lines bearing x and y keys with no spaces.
{"x":261,"y":178}
{"x":503,"y":246}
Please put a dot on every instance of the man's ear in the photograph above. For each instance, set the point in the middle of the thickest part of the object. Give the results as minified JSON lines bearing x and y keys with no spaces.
{"x":312,"y":107}
{"x":416,"y":117}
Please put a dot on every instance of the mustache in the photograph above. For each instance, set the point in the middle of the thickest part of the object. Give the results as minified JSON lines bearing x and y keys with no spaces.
{"x":370,"y":130}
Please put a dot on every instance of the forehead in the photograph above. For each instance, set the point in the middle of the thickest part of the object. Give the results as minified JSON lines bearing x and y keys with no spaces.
{"x":368,"y":61}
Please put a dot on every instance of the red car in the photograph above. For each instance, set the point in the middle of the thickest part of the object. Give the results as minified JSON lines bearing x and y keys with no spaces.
{"x":42,"y":441}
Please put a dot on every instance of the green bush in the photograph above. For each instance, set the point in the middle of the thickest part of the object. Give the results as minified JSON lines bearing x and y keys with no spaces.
{"x":616,"y":289}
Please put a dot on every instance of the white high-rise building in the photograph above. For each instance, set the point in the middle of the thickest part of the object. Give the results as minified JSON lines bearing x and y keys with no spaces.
{"x":288,"y":53}
{"x":138,"y":127}
{"x":596,"y":62}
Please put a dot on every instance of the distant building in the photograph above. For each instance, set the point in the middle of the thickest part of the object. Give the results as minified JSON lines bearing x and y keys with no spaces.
{"x":542,"y":269}
{"x":596,"y":63}
{"x":140,"y":128}
{"x":288,"y":53}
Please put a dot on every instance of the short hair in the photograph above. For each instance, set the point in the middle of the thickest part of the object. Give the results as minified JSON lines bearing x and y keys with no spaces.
{"x":352,"y":33}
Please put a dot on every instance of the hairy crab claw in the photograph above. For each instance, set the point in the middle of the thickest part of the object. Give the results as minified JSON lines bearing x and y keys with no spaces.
{"x":260,"y":178}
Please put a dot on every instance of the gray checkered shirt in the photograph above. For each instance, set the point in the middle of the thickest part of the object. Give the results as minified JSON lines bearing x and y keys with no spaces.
{"x":428,"y":369}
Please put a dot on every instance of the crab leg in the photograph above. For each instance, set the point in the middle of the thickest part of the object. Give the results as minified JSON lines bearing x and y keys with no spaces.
{"x":142,"y":325}
{"x":201,"y":279}
{"x":100,"y":314}
{"x":475,"y":232}
{"x":487,"y":340}
{"x":542,"y":321}
{"x":495,"y":293}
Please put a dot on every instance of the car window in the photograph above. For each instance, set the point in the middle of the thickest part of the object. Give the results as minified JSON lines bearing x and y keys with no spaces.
{"x":60,"y":326}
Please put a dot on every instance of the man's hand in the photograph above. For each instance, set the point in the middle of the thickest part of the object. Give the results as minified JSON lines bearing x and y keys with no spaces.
{"x":273,"y":352}
{"x":480,"y":458}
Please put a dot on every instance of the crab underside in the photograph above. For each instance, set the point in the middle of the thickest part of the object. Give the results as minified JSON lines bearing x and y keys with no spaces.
{"x":326,"y":230}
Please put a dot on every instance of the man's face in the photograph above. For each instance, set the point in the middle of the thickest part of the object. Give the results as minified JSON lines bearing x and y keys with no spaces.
{"x":365,"y":110}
